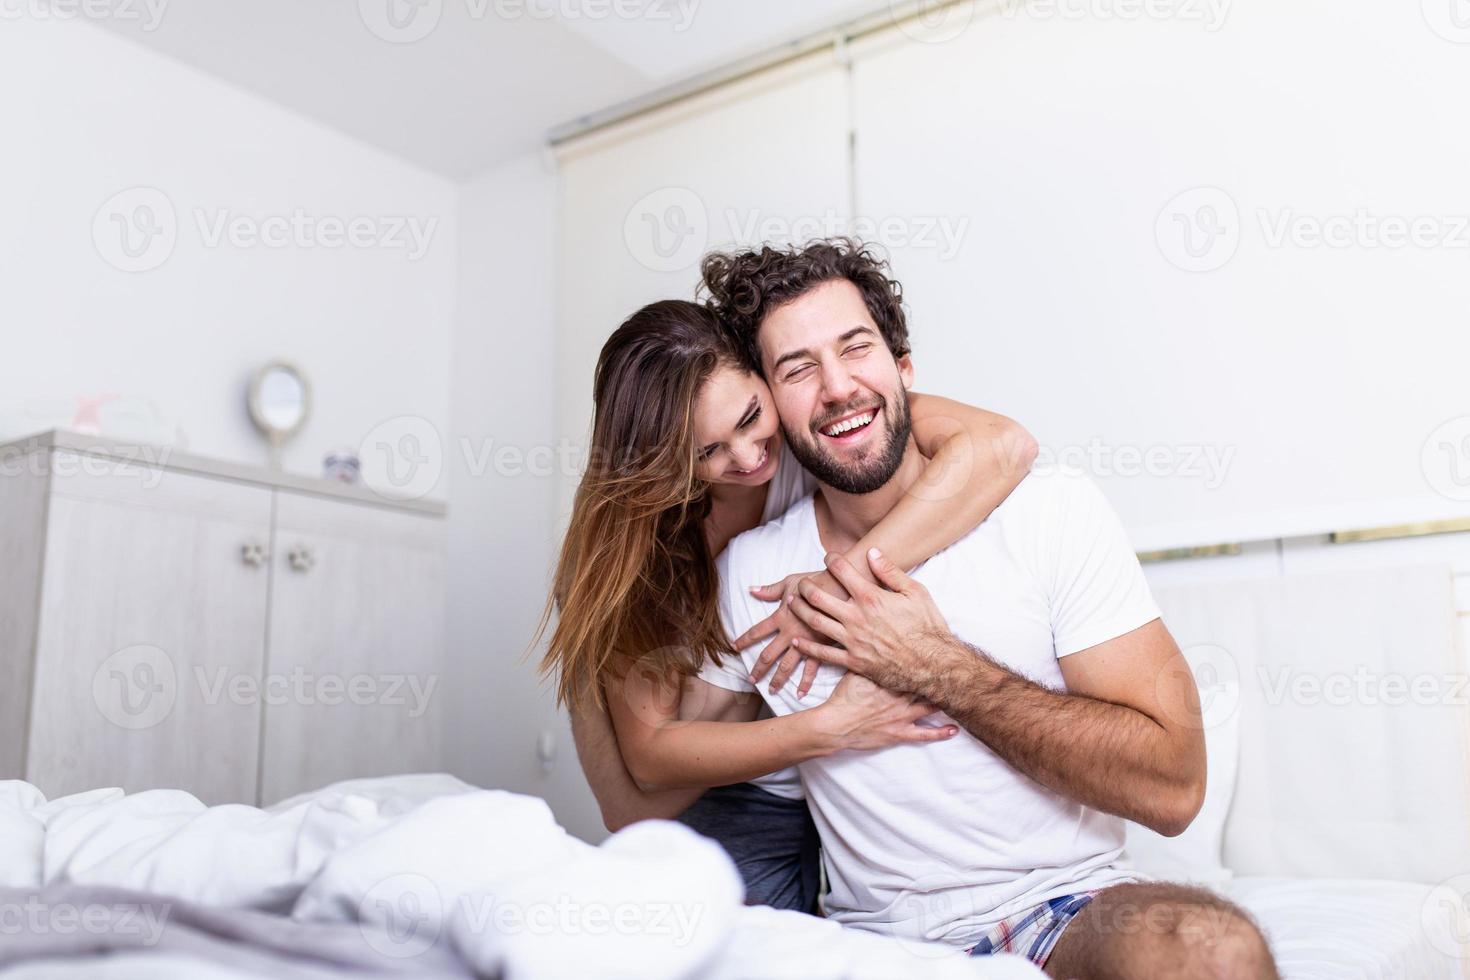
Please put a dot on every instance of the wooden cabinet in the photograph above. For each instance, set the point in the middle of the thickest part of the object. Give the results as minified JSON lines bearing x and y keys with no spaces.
{"x":145,"y":606}
{"x":365,"y":675}
{"x":188,"y":624}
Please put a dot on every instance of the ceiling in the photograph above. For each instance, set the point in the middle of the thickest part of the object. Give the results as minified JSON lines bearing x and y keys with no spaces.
{"x":456,"y":86}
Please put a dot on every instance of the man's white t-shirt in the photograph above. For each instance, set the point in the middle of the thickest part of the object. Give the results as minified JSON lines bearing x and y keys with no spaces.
{"x":941,"y":841}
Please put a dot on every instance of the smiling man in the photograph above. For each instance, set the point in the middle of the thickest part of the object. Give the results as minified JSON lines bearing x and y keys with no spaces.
{"x":1036,"y":634}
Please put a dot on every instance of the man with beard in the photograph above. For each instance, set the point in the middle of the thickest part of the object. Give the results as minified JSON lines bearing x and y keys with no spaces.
{"x":1036,"y":634}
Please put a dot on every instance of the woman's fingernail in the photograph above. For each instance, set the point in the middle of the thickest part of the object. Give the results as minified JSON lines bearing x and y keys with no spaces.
{"x":874,"y":553}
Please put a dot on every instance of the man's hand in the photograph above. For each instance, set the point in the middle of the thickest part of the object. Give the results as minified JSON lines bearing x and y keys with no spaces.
{"x":783,"y":627}
{"x":892,"y":635}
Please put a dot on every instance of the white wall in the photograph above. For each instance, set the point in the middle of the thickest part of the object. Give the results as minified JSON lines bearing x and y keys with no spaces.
{"x":505,"y":468}
{"x":88,"y":116}
{"x":1033,"y":169}
{"x":456,"y":348}
{"x":641,"y":203}
{"x":1284,"y":386}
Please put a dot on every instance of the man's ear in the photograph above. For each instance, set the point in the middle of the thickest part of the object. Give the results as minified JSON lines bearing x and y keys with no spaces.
{"x":906,"y":372}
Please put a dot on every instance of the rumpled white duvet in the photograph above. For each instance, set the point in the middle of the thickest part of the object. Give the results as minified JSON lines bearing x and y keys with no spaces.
{"x":428,"y":860}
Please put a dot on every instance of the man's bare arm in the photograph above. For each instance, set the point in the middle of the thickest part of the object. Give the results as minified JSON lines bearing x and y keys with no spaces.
{"x":1118,"y":740}
{"x":1125,"y":737}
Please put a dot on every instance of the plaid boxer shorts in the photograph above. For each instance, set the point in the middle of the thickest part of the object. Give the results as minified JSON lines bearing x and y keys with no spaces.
{"x":1034,"y":932}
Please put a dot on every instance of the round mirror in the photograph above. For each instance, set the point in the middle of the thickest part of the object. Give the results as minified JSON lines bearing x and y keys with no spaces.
{"x":280,"y":401}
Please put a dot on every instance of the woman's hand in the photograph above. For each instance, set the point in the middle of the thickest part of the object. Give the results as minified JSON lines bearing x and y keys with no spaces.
{"x":784,"y":626}
{"x":862,"y":716}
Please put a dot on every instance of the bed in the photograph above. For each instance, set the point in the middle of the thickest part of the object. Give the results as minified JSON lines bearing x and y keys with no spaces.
{"x":1352,"y":929}
{"x":413,"y":875}
{"x":428,"y":876}
{"x":1338,"y":820}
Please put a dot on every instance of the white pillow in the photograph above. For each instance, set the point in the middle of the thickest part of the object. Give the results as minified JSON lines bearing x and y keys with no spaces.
{"x":1196,"y":856}
{"x":22,"y":835}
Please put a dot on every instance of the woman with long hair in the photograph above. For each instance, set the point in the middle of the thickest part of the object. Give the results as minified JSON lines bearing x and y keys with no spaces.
{"x":686,"y":454}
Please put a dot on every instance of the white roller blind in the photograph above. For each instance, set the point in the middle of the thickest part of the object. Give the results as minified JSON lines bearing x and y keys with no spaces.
{"x":1283,"y":387}
{"x":764,"y":159}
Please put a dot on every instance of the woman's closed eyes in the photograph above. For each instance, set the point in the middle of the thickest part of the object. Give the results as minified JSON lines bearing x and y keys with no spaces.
{"x":750,"y":419}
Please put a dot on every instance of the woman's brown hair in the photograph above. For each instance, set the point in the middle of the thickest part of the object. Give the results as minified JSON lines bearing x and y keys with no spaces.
{"x":636,"y":582}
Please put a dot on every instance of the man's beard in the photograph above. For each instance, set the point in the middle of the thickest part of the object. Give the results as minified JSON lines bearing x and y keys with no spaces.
{"x":870,"y":471}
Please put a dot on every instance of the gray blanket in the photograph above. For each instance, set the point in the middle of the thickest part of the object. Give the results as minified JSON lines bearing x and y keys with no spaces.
{"x":65,"y":924}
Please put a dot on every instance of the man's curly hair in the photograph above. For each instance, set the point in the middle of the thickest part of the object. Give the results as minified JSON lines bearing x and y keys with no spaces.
{"x":746,"y":287}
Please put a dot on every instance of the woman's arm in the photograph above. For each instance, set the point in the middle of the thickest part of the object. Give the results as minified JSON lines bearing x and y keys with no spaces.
{"x":620,"y":799}
{"x":976,"y":458}
{"x":714,"y":741}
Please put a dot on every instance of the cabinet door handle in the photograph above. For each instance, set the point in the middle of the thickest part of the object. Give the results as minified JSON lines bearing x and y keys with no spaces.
{"x":253,"y":553}
{"x":301,"y":558}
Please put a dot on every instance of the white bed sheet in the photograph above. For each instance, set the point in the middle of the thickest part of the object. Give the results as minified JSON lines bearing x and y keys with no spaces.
{"x":1354,"y":929}
{"x":427,"y":861}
